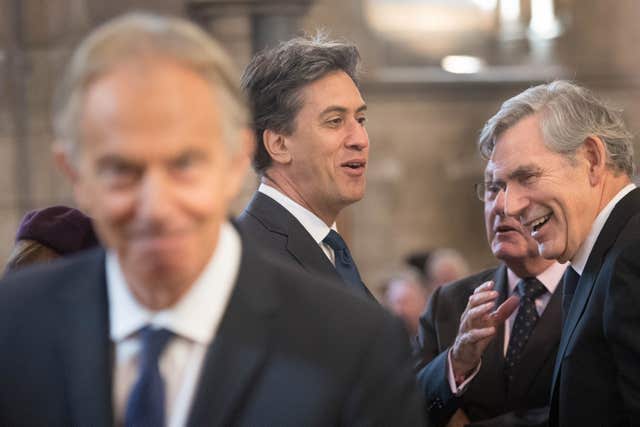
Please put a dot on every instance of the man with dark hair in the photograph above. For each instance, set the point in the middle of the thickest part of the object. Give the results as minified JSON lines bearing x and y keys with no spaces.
{"x":561,"y":160}
{"x":493,"y":370}
{"x":178,"y":321}
{"x":312,"y":152}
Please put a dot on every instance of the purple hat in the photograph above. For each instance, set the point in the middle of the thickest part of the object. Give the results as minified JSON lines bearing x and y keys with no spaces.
{"x":63,"y":229}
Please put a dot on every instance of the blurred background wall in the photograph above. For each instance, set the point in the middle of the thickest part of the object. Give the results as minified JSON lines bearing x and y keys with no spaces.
{"x":434,"y":71}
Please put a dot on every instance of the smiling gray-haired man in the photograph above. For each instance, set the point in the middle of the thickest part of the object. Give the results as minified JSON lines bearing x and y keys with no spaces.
{"x":562,"y":162}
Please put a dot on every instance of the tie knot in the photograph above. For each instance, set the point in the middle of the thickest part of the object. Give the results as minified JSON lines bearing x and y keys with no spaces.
{"x":153,"y":343}
{"x":334,"y":240}
{"x":531,"y":288}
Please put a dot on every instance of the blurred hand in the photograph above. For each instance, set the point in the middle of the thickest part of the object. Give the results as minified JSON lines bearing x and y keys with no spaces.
{"x":478,"y":326}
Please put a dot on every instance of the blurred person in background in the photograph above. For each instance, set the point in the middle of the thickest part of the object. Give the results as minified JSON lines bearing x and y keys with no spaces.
{"x":50,"y":233}
{"x":406,"y":296}
{"x":445,"y":265}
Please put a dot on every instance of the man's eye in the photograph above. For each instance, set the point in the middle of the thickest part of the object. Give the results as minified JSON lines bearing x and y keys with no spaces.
{"x":362,"y":120}
{"x":337,"y":121}
{"x":183,"y":162}
{"x":119,"y":174}
{"x":491,"y":187}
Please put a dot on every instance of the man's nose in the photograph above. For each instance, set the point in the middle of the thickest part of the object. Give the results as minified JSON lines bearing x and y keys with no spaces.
{"x":154,"y":198}
{"x":358,"y":137}
{"x":515,"y":201}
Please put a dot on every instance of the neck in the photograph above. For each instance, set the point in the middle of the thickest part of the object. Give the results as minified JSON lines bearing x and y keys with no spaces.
{"x":611,"y":185}
{"x":286,"y":186}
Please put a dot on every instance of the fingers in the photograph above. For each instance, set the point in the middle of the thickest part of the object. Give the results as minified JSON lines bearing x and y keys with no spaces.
{"x":505,"y":310}
{"x":486,"y":286}
{"x":475,"y":335}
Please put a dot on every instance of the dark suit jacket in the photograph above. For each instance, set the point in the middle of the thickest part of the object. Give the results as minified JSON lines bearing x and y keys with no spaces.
{"x":290,"y":351}
{"x":596,"y":380}
{"x":265,"y":222}
{"x":487,"y":396}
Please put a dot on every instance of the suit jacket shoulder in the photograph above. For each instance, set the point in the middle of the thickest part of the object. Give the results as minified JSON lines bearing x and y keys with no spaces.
{"x":268,"y":225}
{"x":314,"y":347}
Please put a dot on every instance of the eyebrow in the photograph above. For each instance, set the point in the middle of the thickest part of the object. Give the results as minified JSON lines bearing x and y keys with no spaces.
{"x":340,"y":109}
{"x":520,"y":172}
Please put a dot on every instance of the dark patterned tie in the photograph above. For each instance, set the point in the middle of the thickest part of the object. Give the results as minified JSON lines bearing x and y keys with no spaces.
{"x":145,"y":407}
{"x":569,"y":285}
{"x":529,"y":289}
{"x":344,"y":263}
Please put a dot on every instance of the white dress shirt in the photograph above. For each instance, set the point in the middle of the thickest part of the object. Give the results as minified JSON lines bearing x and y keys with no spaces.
{"x":310,"y":221}
{"x":550,"y":278}
{"x":579,"y":260}
{"x":194,"y":320}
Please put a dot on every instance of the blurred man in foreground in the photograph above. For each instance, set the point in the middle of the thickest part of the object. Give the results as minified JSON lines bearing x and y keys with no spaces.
{"x":180,"y":322}
{"x":488,"y":366}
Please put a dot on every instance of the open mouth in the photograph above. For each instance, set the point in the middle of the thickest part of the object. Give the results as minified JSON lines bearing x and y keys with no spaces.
{"x":504,"y":229}
{"x":540,"y":222}
{"x":355,"y":165}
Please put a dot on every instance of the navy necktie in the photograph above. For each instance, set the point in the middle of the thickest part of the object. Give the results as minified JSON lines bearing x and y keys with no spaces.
{"x":569,"y":285}
{"x":145,"y":407}
{"x":529,"y":290}
{"x":344,"y":263}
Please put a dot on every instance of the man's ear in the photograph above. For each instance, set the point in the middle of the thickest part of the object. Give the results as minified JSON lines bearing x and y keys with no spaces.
{"x":64,"y":161}
{"x":277,"y":147}
{"x":595,"y":153}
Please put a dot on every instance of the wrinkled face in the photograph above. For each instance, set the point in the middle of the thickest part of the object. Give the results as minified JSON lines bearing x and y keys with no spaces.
{"x":153,"y":171}
{"x":509,"y":240}
{"x":329,"y":146}
{"x":550,"y":194}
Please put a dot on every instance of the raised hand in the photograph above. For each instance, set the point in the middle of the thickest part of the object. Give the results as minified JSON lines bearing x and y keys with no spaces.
{"x":478,"y":326}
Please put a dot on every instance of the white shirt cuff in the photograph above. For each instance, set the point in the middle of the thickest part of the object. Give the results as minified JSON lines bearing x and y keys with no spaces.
{"x":455,"y":389}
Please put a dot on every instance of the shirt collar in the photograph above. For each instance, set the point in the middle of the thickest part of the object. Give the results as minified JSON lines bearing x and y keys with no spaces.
{"x":197,"y":314}
{"x":310,"y":221}
{"x":579,"y":260}
{"x":549,"y":278}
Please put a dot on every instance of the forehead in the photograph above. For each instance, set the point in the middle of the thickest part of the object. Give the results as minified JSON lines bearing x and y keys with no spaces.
{"x":334,"y":89}
{"x":520,"y":148}
{"x":155,"y":98}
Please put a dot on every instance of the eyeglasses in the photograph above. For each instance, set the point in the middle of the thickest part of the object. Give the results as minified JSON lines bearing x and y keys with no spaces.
{"x":488,"y":191}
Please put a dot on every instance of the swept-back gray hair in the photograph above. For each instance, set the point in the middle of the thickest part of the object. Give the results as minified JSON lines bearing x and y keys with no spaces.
{"x":137,"y":36}
{"x":569,"y":114}
{"x":274,"y":78}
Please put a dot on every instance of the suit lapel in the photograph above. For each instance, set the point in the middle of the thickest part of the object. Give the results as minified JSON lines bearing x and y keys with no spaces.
{"x":240,"y":347}
{"x":622,"y":212}
{"x":84,"y":343}
{"x":497,"y":345}
{"x":300,"y":244}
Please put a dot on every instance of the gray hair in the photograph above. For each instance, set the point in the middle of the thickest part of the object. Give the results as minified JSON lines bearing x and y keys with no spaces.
{"x":136,"y":36}
{"x":569,"y":114}
{"x":274,"y":78}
